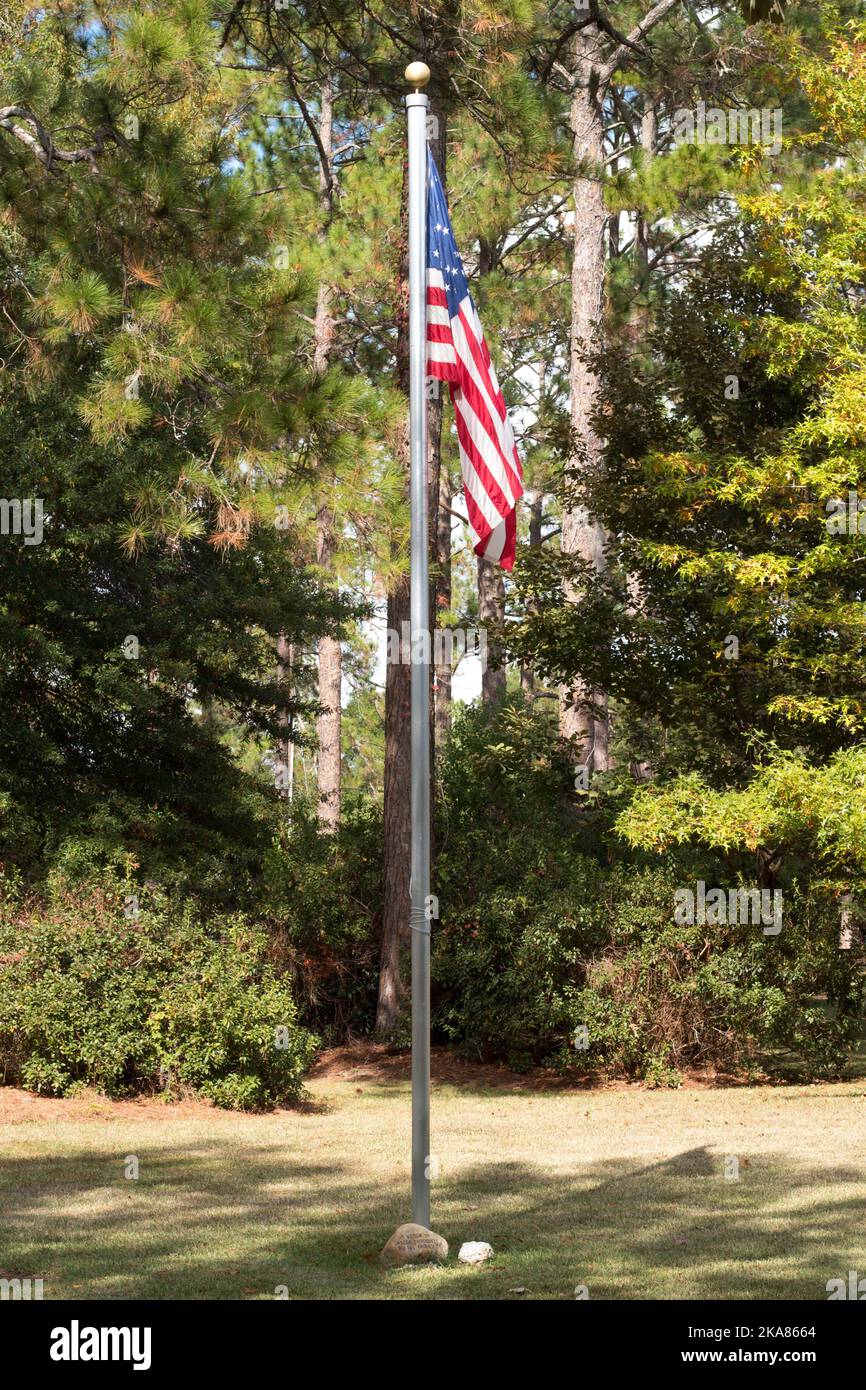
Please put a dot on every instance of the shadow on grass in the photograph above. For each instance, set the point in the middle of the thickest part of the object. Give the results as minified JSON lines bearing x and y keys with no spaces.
{"x":213,"y":1223}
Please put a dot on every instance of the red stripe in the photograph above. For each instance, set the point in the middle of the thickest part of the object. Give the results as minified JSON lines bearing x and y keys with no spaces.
{"x":482,"y":362}
{"x":509,"y":549}
{"x":481,"y":404}
{"x":485,"y":477}
{"x":444,"y":371}
{"x":479,"y":408}
{"x":439,"y":333}
{"x":481,"y":527}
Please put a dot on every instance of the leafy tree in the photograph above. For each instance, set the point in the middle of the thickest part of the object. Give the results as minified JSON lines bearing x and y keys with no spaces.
{"x":732,"y":615}
{"x":157,"y":403}
{"x":124,"y":676}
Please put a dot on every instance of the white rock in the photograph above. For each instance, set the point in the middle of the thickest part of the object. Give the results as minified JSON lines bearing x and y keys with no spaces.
{"x":475,"y":1252}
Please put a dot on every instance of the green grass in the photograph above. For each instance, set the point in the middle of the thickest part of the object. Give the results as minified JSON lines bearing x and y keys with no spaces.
{"x":623,"y":1191}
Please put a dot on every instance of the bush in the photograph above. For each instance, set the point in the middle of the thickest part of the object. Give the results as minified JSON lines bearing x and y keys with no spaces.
{"x":320,"y":903}
{"x":163,"y":1002}
{"x":518,"y":975}
{"x":548,"y":926}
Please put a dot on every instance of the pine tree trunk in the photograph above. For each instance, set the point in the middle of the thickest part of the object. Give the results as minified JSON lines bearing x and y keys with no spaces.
{"x":491,"y":615}
{"x":329,"y":722}
{"x":640,"y":327}
{"x":583,"y":712}
{"x":534,"y":499}
{"x":642,"y":319}
{"x":535,"y":502}
{"x":442,"y":687}
{"x":397,"y":829}
{"x":398,"y":685}
{"x":847,"y":930}
{"x":398,"y":711}
{"x":285,"y":746}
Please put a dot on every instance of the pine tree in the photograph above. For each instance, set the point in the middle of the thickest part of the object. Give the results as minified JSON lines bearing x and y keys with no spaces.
{"x":151,"y":291}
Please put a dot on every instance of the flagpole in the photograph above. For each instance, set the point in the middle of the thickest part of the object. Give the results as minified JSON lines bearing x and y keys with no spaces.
{"x":418,"y":74}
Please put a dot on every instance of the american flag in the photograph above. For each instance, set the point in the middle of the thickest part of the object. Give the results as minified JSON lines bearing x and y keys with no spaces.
{"x":457,"y":353}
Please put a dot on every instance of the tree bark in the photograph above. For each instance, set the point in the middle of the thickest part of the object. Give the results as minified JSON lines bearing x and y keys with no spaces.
{"x":397,"y":820}
{"x":534,"y":499}
{"x":583,"y":712}
{"x":642,"y":319}
{"x":285,"y":760}
{"x":330,"y":666}
{"x":330,"y":673}
{"x":398,"y":709}
{"x":442,"y":672}
{"x":491,"y":615}
{"x":769,"y":862}
{"x":535,"y":502}
{"x":847,"y":929}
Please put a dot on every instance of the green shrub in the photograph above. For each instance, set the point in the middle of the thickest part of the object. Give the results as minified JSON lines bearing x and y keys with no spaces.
{"x":549,"y":926}
{"x":517,"y":976}
{"x":320,"y":903}
{"x":164,"y":1002}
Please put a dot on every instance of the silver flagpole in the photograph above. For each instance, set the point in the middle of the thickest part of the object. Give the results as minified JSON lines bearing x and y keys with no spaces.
{"x":418,"y":74}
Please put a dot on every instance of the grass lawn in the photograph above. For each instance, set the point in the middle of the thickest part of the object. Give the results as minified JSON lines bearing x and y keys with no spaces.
{"x":621,"y":1190}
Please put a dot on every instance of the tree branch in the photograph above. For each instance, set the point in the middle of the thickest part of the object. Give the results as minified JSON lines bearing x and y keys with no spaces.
{"x":40,"y":142}
{"x":639,"y":32}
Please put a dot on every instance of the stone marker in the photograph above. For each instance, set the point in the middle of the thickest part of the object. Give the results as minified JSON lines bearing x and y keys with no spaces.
{"x":475,"y":1252}
{"x":414,"y":1245}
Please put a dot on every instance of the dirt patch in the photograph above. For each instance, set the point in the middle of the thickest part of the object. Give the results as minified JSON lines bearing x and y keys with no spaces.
{"x":17,"y":1107}
{"x":375,"y":1062}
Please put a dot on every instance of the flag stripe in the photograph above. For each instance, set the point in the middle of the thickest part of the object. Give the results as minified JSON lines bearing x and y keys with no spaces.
{"x":457,"y":352}
{"x":497,"y":427}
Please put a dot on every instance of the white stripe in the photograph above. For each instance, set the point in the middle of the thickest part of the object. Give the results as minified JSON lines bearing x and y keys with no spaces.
{"x":495,"y":543}
{"x":484,"y":444}
{"x":501,"y":427}
{"x":487,"y":448}
{"x":473,"y":484}
{"x":441,"y":352}
{"x":474,"y":538}
{"x":471,"y":315}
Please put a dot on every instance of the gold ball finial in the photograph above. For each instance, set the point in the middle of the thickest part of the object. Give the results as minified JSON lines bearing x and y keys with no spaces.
{"x":418,"y":74}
